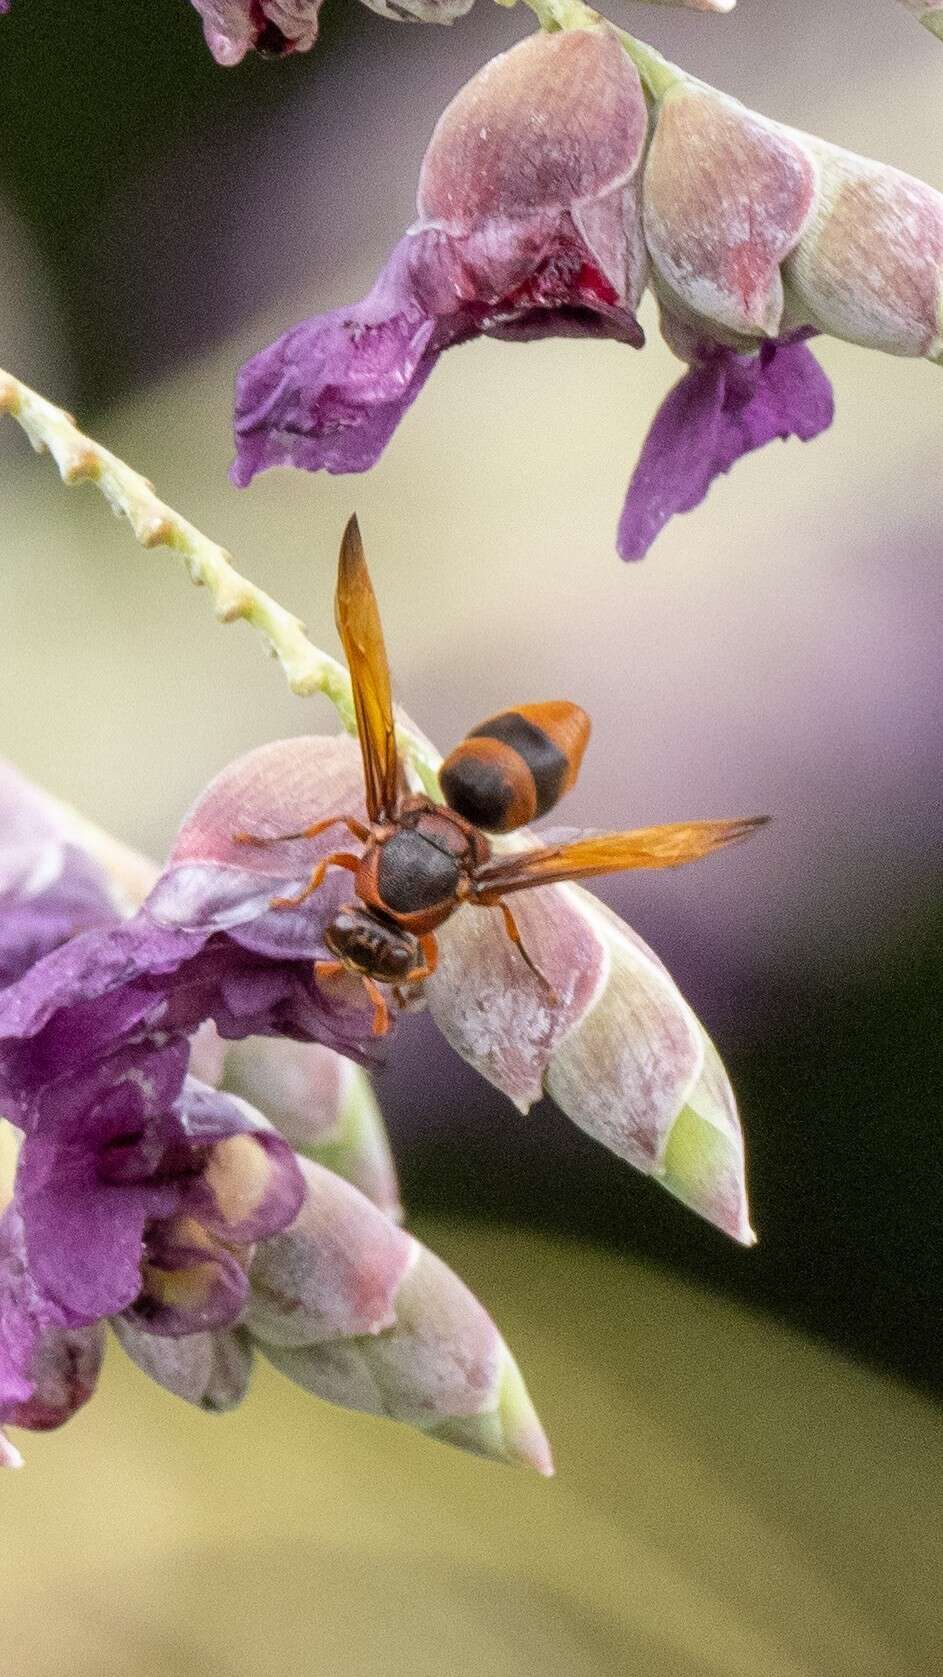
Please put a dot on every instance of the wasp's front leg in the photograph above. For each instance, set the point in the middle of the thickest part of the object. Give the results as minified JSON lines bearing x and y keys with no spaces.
{"x":337,"y":859}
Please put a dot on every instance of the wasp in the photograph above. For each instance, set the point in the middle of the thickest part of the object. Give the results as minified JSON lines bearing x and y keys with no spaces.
{"x":421,"y":861}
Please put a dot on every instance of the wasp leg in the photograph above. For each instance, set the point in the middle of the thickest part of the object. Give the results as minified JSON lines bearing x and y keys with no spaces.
{"x":430,"y":960}
{"x":337,"y":859}
{"x":513,"y":932}
{"x":381,"y":1011}
{"x":355,"y":828}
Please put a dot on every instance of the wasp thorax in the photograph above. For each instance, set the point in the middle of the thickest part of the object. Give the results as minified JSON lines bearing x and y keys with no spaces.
{"x":369,"y":945}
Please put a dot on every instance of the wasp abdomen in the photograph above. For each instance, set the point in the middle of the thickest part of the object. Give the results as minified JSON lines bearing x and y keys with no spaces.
{"x":516,"y":766}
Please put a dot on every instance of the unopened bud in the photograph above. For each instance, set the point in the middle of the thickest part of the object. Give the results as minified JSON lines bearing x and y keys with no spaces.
{"x":726,"y":195}
{"x":211,"y":1370}
{"x":324,"y":1106}
{"x":607,"y":1034}
{"x":756,"y":231}
{"x":358,"y":1312}
{"x":869,"y":266}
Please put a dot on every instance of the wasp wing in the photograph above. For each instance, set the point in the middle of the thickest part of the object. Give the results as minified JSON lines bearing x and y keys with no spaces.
{"x":358,"y":621}
{"x":598,"y":853}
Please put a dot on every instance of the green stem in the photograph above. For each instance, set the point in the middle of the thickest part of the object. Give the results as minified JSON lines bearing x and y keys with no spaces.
{"x":155,"y":524}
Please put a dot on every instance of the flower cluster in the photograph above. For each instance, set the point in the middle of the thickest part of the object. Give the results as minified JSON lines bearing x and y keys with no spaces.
{"x":555,"y":189}
{"x":150,"y":1199}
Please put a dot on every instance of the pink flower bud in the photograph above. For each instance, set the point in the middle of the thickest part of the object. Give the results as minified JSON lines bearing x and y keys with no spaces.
{"x":869,"y":266}
{"x":726,"y":196}
{"x":211,"y":1370}
{"x":325,"y":1108}
{"x":617,"y":1047}
{"x":358,"y":1312}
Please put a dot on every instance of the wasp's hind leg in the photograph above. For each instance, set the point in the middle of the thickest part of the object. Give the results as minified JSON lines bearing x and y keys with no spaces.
{"x":513,"y":932}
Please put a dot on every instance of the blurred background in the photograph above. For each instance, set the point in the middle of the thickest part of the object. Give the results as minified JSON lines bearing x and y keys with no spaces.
{"x":779,"y":651}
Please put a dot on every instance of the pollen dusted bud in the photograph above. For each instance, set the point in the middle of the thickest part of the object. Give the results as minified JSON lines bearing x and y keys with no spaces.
{"x":869,"y":267}
{"x":756,"y":231}
{"x":726,"y":196}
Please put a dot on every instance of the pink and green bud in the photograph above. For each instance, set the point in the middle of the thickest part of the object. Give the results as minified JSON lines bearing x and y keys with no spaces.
{"x":726,"y":196}
{"x":757,"y":231}
{"x":356,"y":1311}
{"x":616,"y":1047}
{"x":325,"y":1108}
{"x":210,"y":1370}
{"x":869,"y":267}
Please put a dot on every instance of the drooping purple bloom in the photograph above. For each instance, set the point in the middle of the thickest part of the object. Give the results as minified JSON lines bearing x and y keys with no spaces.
{"x":276,"y":28}
{"x":727,"y":405}
{"x":529,"y":226}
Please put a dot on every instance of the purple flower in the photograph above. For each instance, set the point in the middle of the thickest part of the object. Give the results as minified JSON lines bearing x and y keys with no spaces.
{"x":278,"y":27}
{"x":529,"y":225}
{"x":175,"y":1213}
{"x":50,"y":889}
{"x":725,"y":406}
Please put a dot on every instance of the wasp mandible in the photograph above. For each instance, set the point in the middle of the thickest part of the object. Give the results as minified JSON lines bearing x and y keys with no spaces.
{"x":421,"y":861}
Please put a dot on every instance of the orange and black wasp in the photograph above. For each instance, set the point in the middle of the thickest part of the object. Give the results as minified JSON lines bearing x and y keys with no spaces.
{"x":421,"y":861}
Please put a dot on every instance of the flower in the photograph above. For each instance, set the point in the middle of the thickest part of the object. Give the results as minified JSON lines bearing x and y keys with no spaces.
{"x":549,"y":198}
{"x":275,"y":27}
{"x":176,"y":1213}
{"x":278,"y":27}
{"x":529,"y":225}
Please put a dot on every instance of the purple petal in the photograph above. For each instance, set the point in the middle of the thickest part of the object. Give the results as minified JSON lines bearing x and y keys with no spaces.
{"x":83,"y":1231}
{"x":724,"y":407}
{"x":49,"y":888}
{"x":330,"y":393}
{"x":47,"y":1371}
{"x":274,"y":27}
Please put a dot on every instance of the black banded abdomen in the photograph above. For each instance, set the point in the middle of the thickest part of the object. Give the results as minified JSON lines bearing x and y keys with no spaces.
{"x":516,"y":766}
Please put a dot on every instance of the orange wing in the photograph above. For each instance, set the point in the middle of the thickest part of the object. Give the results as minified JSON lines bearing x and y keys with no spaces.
{"x":358,"y":621}
{"x":581,"y":858}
